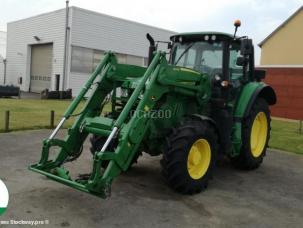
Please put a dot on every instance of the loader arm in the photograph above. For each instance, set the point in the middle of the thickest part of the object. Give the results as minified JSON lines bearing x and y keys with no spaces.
{"x":127,"y":129}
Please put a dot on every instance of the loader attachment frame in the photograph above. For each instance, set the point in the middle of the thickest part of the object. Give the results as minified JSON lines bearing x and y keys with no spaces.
{"x":128,"y":129}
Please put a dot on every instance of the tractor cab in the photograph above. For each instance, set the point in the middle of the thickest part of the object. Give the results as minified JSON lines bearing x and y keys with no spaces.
{"x":202,"y":52}
{"x":223,"y":57}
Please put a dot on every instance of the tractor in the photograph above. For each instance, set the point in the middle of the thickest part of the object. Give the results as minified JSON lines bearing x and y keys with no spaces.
{"x":203,"y":101}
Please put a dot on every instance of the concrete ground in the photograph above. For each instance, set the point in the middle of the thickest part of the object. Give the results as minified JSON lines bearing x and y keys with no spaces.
{"x":271,"y":196}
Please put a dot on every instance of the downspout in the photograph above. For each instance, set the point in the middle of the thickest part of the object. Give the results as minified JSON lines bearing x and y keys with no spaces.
{"x":65,"y":49}
{"x":4,"y":73}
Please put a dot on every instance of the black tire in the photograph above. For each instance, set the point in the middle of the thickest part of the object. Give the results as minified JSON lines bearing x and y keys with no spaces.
{"x":246,"y":160}
{"x":97,"y":143}
{"x":175,"y":157}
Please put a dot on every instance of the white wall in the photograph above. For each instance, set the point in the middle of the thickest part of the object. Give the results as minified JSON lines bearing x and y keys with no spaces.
{"x":1,"y":70}
{"x":87,"y":29}
{"x":2,"y":55}
{"x":3,"y":44}
{"x":49,"y":28}
{"x":102,"y":32}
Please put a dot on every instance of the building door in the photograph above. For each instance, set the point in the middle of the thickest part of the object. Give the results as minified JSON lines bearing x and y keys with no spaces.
{"x":41,"y":67}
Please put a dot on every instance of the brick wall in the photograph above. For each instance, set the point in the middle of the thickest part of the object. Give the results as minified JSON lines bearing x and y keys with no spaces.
{"x":288,"y":84}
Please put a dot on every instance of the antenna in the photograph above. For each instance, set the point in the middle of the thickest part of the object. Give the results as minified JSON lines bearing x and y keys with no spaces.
{"x":237,"y":24}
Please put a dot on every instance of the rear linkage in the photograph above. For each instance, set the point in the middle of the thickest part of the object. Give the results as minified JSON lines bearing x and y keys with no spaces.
{"x":129,"y":134}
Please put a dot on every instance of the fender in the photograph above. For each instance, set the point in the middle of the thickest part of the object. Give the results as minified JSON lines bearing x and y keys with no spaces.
{"x":206,"y":118}
{"x":248,"y":96}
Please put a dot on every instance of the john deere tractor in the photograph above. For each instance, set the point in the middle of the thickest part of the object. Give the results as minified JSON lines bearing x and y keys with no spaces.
{"x":205,"y":100}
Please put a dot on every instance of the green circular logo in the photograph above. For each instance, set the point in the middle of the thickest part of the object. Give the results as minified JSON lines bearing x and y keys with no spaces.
{"x":3,"y":197}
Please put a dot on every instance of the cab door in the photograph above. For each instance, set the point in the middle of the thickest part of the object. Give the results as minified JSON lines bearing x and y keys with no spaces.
{"x":235,"y":71}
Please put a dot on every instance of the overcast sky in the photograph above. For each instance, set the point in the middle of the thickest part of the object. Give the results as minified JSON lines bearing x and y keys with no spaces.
{"x":259,"y":17}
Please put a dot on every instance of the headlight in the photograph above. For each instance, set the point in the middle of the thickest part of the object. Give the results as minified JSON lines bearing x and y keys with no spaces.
{"x":206,"y":37}
{"x":213,"y":37}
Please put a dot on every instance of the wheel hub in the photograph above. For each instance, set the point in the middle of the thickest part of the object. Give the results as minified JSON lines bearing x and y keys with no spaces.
{"x":199,"y":159}
{"x":258,"y":134}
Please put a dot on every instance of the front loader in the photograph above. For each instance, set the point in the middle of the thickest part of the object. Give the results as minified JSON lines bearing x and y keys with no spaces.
{"x":206,"y":101}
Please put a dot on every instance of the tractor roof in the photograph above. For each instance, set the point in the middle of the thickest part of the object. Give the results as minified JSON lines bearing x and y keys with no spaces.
{"x":201,"y":35}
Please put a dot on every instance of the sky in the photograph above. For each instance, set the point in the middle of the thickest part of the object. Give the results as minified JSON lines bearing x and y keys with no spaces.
{"x":259,"y":17}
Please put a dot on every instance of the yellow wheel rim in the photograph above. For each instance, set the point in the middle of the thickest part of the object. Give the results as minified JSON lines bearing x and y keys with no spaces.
{"x":198,"y":159}
{"x":258,"y":134}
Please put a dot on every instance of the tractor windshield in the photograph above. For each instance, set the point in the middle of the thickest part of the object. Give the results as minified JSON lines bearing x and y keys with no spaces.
{"x":204,"y":57}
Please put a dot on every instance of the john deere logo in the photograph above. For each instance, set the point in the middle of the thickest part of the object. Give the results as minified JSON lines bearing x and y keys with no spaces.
{"x":3,"y":197}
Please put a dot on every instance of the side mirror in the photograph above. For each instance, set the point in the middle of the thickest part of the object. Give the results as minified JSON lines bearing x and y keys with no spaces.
{"x":241,"y":61}
{"x":259,"y":74}
{"x":246,"y":47}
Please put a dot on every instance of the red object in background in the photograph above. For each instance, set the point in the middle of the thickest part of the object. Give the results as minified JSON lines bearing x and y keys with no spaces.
{"x":288,"y":85}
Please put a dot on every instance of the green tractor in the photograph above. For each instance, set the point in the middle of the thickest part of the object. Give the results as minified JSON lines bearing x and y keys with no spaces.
{"x":206,"y":101}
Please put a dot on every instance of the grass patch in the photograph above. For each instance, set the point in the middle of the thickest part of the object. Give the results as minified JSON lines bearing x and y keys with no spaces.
{"x":35,"y":114}
{"x":285,"y":136}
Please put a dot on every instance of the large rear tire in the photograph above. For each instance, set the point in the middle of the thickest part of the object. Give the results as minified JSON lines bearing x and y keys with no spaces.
{"x":255,"y":137}
{"x":190,"y":155}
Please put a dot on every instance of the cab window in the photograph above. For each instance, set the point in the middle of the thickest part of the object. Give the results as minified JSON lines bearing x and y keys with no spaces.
{"x":202,"y":56}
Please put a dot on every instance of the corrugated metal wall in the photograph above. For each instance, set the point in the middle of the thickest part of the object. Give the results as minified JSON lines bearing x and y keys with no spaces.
{"x":1,"y":71}
{"x":102,"y":32}
{"x":288,"y":84}
{"x":87,"y":29}
{"x":49,"y":28}
{"x":3,"y":44}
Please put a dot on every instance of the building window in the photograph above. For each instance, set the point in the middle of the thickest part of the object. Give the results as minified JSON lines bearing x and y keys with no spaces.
{"x":145,"y":62}
{"x":85,"y":60}
{"x":121,"y":58}
{"x":134,"y":60}
{"x":97,"y":58}
{"x":82,"y":60}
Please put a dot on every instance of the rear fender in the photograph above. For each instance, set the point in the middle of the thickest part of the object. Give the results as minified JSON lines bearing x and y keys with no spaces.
{"x":248,"y":96}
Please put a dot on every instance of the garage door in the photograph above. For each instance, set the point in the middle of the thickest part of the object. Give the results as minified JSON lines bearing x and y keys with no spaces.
{"x":41,"y":67}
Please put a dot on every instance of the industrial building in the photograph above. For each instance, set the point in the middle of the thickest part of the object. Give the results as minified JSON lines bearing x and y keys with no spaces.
{"x":2,"y":56}
{"x":282,"y":58}
{"x":36,"y":47}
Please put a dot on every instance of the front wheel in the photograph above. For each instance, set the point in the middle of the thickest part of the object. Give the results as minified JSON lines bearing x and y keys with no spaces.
{"x":189,"y":158}
{"x":255,"y":137}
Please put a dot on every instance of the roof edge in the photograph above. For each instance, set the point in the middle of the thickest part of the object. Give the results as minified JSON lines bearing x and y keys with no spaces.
{"x":123,"y":19}
{"x":37,"y":15}
{"x":280,"y":26}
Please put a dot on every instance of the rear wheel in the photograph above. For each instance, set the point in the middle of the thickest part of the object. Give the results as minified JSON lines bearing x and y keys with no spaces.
{"x":255,"y":136}
{"x":190,"y":156}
